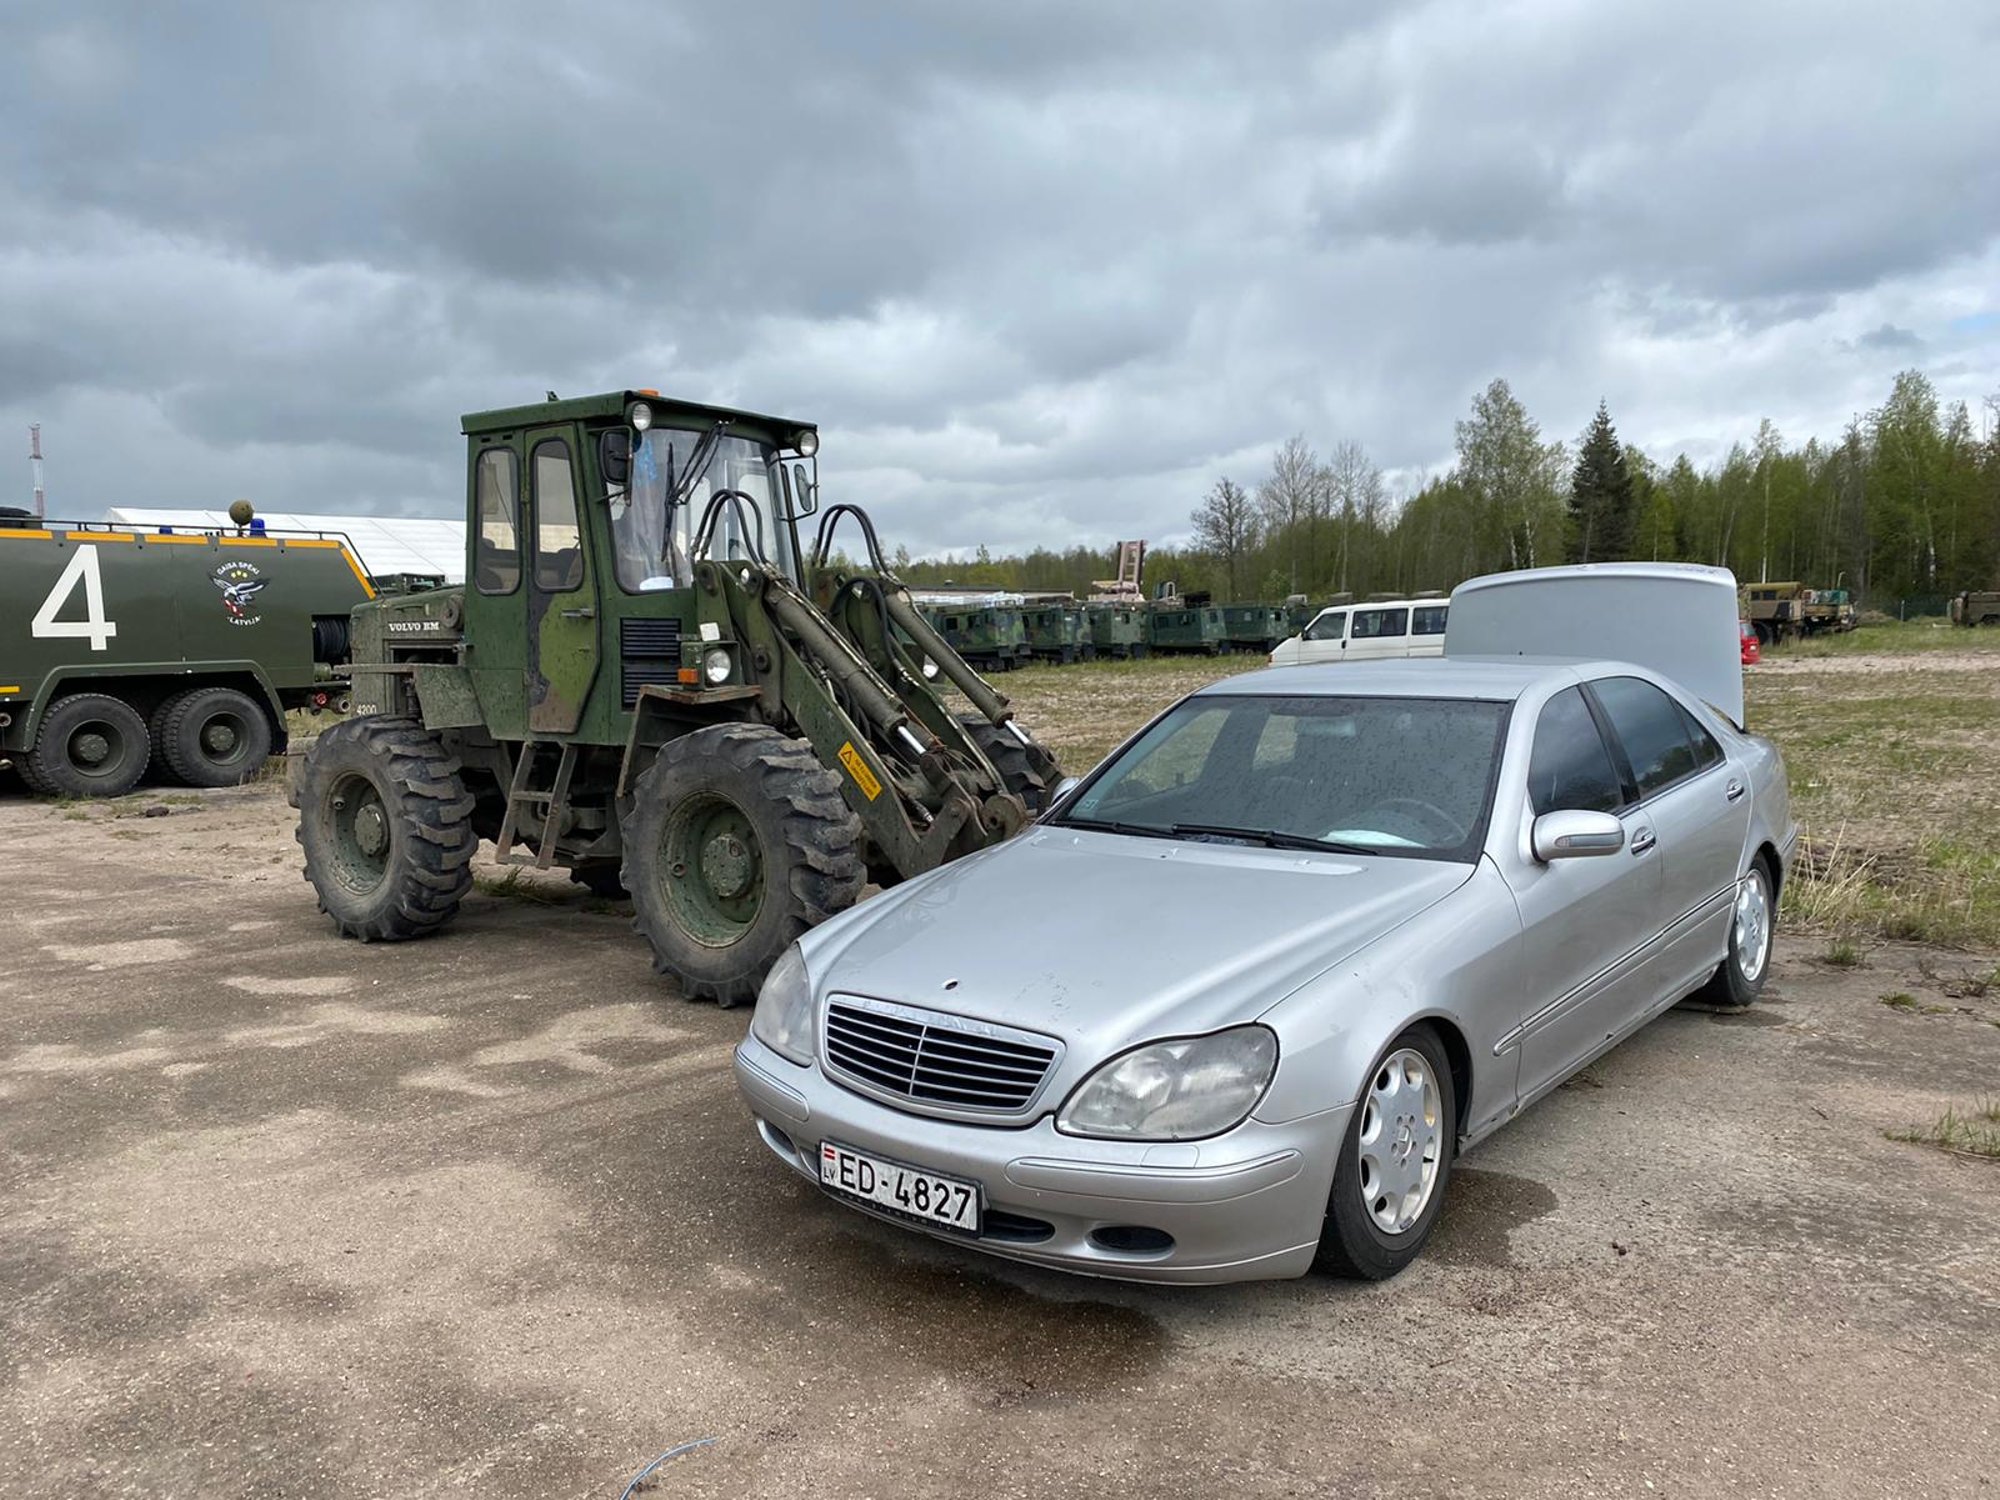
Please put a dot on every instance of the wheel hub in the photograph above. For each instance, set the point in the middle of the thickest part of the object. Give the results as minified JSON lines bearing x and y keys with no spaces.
{"x":218,"y":737}
{"x":371,"y":829}
{"x":726,"y":865}
{"x":1401,"y":1141}
{"x":90,"y":748}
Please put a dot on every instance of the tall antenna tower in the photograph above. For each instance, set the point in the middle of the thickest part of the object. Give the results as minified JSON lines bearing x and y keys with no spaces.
{"x":35,"y":463}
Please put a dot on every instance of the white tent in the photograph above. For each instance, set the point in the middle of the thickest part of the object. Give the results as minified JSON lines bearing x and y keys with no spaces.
{"x":385,"y":544}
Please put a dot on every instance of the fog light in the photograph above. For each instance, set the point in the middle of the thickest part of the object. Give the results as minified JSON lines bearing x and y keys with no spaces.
{"x":715,"y":665}
{"x":641,"y":416}
{"x":808,"y":443}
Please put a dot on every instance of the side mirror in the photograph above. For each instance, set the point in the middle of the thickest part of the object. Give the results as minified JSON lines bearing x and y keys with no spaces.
{"x":1573,"y":834}
{"x":805,"y":498}
{"x":1064,"y":787}
{"x":614,"y":457}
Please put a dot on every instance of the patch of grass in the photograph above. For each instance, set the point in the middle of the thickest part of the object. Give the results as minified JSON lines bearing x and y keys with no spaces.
{"x":1842,"y":953}
{"x":1902,"y":1000}
{"x":512,"y":888}
{"x":1892,"y":638}
{"x":1971,"y":1132}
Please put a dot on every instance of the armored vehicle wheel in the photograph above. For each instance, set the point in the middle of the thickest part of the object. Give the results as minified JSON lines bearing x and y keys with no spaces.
{"x":212,"y":736}
{"x":387,"y":828}
{"x":89,"y":745}
{"x":737,"y":842}
{"x":1010,"y":759}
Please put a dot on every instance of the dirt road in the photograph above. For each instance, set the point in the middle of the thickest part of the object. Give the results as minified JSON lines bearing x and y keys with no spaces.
{"x":286,"y":1216}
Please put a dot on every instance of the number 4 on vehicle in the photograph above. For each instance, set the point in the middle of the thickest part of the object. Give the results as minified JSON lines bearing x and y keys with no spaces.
{"x":93,"y":627}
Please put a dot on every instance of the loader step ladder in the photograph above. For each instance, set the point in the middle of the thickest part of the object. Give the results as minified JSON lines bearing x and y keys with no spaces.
{"x":552,"y":801}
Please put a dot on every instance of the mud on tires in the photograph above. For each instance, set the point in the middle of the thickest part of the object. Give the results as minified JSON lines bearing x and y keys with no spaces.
{"x":385,"y":822}
{"x":737,"y":842}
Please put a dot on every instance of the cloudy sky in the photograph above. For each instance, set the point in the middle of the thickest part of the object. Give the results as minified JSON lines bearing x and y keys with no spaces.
{"x":1041,"y":271}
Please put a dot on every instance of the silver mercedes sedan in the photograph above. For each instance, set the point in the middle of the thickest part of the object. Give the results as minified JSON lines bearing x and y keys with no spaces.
{"x":1232,"y":1008}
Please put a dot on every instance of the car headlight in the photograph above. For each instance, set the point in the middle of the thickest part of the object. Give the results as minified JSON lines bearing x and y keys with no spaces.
{"x":784,"y":1019}
{"x":715,"y":665}
{"x":1175,"y":1091}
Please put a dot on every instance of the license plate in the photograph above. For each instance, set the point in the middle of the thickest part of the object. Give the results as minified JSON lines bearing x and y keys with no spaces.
{"x":904,"y":1190}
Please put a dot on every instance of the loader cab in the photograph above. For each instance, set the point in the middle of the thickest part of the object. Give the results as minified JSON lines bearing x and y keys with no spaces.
{"x":587,"y":517}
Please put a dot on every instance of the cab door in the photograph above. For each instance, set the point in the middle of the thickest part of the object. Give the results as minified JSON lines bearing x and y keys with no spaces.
{"x":562,"y":604}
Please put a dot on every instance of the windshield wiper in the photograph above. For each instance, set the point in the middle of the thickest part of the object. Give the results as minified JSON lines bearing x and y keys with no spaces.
{"x":1270,"y":838}
{"x":1105,"y":825}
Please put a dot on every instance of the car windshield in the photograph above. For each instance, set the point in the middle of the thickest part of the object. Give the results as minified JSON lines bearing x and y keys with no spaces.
{"x":1398,"y":776}
{"x":652,"y":547}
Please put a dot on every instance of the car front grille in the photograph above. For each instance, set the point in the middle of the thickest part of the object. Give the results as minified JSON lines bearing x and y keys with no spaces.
{"x":948,"y":1062}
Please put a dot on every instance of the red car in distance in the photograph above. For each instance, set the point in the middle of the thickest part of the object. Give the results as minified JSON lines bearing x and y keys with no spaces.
{"x":1751,"y":655}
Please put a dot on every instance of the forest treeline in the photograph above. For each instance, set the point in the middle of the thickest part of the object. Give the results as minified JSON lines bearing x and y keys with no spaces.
{"x":1905,"y":504}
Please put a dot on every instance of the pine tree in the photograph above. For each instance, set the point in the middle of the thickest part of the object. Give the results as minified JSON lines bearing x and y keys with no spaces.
{"x":1600,"y":496}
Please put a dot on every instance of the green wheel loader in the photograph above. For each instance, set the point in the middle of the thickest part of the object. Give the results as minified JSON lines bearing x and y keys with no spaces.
{"x":654,"y":679}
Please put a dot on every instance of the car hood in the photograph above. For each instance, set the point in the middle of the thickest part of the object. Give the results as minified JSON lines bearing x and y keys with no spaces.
{"x":1104,"y":940}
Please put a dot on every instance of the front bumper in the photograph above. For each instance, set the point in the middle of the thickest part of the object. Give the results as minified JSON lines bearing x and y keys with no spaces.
{"x":1242,"y":1206}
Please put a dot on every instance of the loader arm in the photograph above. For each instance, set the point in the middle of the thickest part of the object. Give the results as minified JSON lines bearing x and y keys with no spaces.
{"x":923,"y":791}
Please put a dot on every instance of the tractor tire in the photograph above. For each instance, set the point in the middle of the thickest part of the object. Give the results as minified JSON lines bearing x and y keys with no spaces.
{"x":1010,"y":759}
{"x":89,"y":745}
{"x":212,"y":736}
{"x":386,"y":824}
{"x":737,"y":842}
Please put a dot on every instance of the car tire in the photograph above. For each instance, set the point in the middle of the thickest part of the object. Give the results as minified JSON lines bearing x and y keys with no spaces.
{"x":1410,"y":1098}
{"x":1739,"y":979}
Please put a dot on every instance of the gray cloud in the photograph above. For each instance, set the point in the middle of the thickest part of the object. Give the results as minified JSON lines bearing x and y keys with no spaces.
{"x":1041,"y":271}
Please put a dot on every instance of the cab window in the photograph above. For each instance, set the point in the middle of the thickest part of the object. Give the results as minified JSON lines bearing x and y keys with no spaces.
{"x":1570,"y":769}
{"x":558,"y":541}
{"x":1328,"y":627}
{"x":496,"y":543}
{"x":1429,"y":620}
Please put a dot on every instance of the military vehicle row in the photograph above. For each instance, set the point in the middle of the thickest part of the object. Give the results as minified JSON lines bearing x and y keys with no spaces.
{"x":124,"y":651}
{"x":998,"y":632}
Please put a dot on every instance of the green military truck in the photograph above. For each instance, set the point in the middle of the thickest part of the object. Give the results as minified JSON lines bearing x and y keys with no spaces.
{"x":1187,"y":624}
{"x":1976,"y":607}
{"x":1058,"y":631}
{"x":991,"y":637}
{"x":1118,"y":628}
{"x":1254,"y":627}
{"x":124,"y":650}
{"x":654,"y":680}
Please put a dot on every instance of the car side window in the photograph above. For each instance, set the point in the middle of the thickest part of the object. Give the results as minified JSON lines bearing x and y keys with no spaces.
{"x":558,"y":539}
{"x":1429,"y":620}
{"x":1375,"y":624}
{"x":1328,"y":627}
{"x":496,"y":545}
{"x":1651,"y":728}
{"x":1570,"y":768}
{"x":1706,"y":751}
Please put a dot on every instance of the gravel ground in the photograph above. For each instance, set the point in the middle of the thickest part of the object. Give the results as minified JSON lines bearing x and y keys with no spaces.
{"x":288,"y":1216}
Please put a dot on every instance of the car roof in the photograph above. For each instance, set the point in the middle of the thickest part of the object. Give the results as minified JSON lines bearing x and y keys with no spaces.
{"x":1497,"y":677}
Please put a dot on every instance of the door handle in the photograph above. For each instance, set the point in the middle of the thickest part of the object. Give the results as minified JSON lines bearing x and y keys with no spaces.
{"x":1642,"y":840}
{"x":585,"y":613}
{"x":1734,"y":791}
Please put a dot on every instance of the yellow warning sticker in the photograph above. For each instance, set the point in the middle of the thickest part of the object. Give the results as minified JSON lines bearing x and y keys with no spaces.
{"x":858,"y":769}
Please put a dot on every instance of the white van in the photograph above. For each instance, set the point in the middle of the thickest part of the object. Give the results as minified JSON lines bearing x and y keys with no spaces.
{"x":1368,"y":632}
